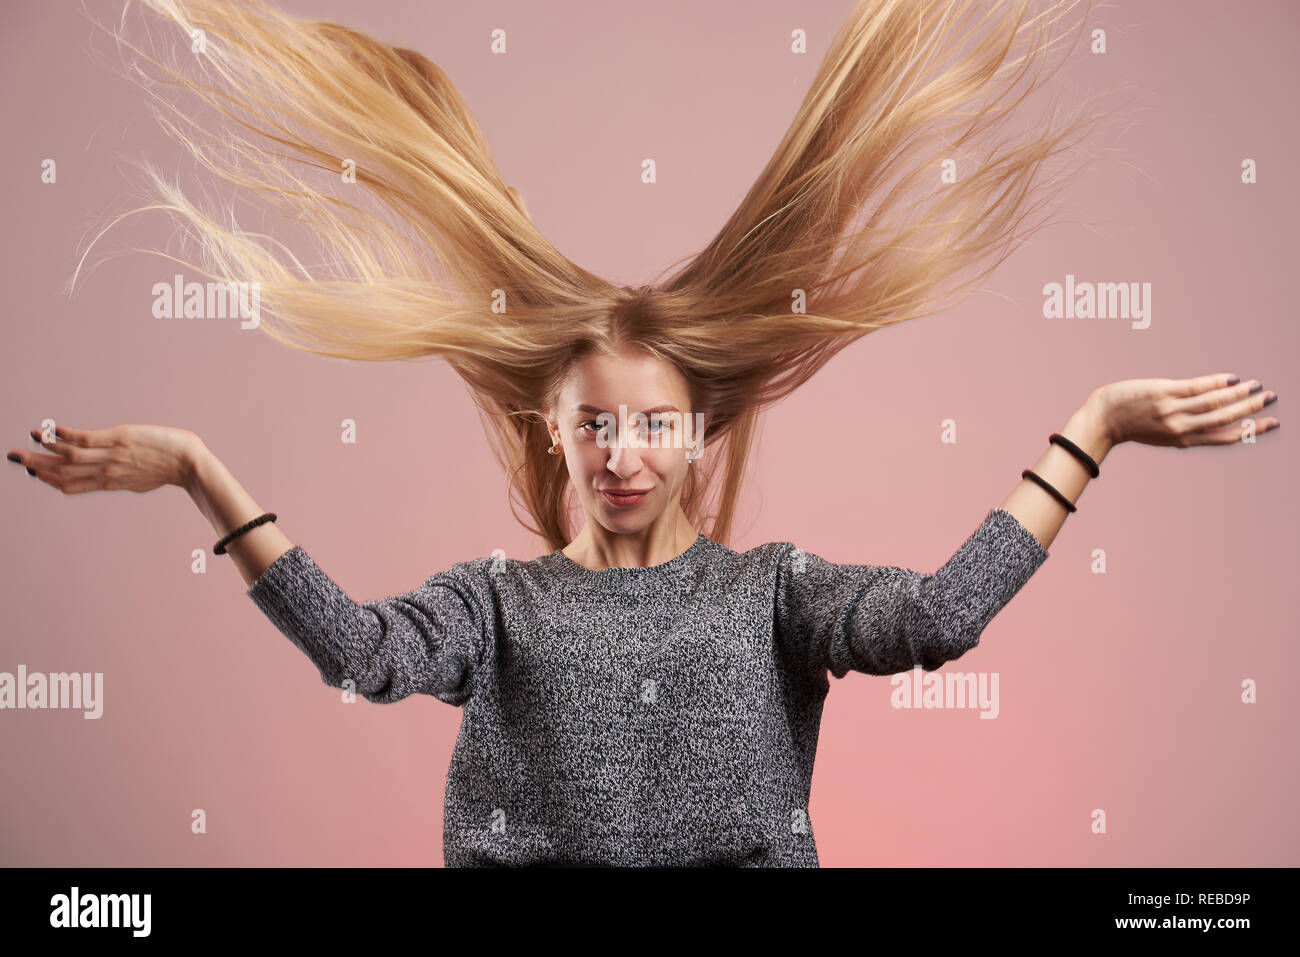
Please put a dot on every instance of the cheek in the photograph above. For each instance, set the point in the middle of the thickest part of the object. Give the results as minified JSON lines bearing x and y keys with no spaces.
{"x":669,"y":467}
{"x":584,"y":462}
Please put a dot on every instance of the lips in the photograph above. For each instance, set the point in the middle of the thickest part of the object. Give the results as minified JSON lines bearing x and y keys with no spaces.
{"x":624,"y":498}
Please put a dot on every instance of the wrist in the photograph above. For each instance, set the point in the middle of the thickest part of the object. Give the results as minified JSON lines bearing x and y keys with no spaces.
{"x":194,"y":457}
{"x":1089,"y":429}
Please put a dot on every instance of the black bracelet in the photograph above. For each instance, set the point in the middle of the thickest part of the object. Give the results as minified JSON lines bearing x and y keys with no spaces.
{"x":1077,"y":452}
{"x":1028,"y":473}
{"x":220,"y":547}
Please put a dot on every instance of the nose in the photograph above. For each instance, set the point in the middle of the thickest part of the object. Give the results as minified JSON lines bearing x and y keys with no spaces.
{"x":624,"y":459}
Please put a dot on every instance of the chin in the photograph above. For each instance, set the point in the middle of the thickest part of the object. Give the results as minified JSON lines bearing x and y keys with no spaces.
{"x":627,"y":519}
{"x":617,"y":521}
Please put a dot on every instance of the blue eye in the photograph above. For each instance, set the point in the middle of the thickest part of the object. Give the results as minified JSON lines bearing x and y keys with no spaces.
{"x":655,"y":426}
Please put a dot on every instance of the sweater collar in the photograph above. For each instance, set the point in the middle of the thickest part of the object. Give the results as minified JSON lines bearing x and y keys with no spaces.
{"x":566,"y":568}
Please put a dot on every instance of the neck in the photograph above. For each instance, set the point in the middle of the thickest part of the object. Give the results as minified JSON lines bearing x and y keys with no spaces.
{"x":596,"y":547}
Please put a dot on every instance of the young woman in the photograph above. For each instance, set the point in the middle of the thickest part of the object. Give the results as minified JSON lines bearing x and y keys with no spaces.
{"x":642,"y":694}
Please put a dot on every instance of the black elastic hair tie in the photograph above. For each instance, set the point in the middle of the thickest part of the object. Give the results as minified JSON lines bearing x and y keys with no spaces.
{"x":1029,"y":474}
{"x":220,"y":547}
{"x":1077,"y":452}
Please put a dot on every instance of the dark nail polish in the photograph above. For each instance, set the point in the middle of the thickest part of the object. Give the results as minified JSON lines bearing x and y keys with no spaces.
{"x":14,"y":457}
{"x":1234,"y":380}
{"x":31,"y":471}
{"x":1255,"y":388}
{"x":1271,"y":399}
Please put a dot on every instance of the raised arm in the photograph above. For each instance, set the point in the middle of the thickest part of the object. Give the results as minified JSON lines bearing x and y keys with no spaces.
{"x":881,"y":620}
{"x":1174,"y":413}
{"x":1036,"y":508}
{"x":423,"y":641}
{"x":428,"y":640}
{"x":226,"y":506}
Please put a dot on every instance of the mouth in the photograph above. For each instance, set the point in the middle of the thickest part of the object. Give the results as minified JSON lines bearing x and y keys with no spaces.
{"x":624,"y":498}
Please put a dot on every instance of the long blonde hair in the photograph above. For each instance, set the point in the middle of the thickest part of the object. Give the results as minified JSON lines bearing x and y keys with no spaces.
{"x":847,"y":230}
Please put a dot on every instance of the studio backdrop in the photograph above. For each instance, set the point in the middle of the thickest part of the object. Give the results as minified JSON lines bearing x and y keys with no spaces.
{"x":1131,"y":706}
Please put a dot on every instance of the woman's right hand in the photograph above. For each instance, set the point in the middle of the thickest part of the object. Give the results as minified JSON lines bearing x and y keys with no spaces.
{"x":134,"y":458}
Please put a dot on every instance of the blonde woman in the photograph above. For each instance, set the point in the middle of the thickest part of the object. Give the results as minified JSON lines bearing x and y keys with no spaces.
{"x":642,"y":694}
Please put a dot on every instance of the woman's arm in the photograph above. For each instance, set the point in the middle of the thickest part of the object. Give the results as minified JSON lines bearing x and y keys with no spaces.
{"x":1179,"y":413}
{"x":141,"y":458}
{"x":1031,"y":504}
{"x":883,"y":619}
{"x":428,"y":640}
{"x":226,"y":505}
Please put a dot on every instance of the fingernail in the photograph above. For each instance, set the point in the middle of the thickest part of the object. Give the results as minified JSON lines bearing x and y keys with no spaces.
{"x":14,"y":457}
{"x":1233,"y":380}
{"x":31,"y":472}
{"x":1255,"y":388}
{"x":1272,"y":397}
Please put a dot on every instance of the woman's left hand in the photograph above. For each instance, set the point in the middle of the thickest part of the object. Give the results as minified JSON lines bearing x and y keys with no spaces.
{"x":1181,"y":412}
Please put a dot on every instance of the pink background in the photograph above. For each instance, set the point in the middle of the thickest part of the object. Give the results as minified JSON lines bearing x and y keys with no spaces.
{"x":1118,"y":691}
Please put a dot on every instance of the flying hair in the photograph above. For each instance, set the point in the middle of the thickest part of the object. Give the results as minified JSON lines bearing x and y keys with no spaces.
{"x":847,"y":229}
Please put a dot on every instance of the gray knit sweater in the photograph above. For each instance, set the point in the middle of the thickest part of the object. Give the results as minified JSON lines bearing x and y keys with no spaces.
{"x":642,"y":716}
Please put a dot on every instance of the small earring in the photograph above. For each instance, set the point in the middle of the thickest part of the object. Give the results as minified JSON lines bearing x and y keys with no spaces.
{"x":553,"y":450}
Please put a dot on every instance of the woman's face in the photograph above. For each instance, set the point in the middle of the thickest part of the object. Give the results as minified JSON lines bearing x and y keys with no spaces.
{"x":609,"y":448}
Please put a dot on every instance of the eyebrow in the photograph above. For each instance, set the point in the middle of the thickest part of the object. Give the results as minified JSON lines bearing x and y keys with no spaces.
{"x":658,"y":408}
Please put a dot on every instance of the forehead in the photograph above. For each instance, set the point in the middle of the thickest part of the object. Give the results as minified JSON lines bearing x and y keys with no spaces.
{"x":638,"y":381}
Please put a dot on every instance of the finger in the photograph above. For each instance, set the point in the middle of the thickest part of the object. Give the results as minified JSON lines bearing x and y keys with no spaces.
{"x":64,"y":470}
{"x":87,"y":438}
{"x":1216,"y":398}
{"x":71,"y":453}
{"x":71,"y":486}
{"x":35,"y":460}
{"x":56,"y":467}
{"x":1227,"y":434}
{"x":1226,"y":414}
{"x":1182,"y":388}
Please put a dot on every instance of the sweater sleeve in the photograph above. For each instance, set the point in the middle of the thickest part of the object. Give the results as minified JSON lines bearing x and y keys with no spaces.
{"x":425,"y":641}
{"x":882,"y":620}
